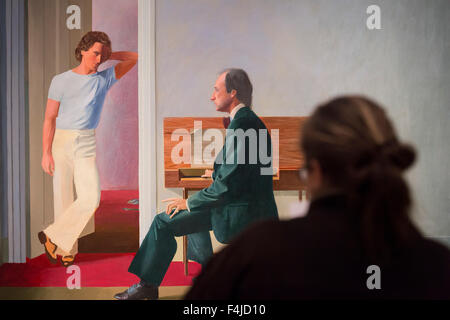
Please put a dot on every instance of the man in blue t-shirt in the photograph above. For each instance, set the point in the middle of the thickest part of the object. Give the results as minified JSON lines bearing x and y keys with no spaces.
{"x":74,"y":105}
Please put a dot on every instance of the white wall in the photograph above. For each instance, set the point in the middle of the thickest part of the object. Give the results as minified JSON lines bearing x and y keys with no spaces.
{"x":299,"y":53}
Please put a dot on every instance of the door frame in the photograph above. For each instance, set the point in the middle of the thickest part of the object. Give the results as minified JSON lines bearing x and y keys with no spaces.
{"x":148,"y":184}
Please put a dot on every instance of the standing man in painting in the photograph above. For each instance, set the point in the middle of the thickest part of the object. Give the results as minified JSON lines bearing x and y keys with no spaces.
{"x":74,"y":104}
{"x":240,"y":194}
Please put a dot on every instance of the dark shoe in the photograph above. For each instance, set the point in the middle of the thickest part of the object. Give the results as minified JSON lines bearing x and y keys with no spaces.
{"x":138,"y":292}
{"x":67,"y":260}
{"x":50,"y":247}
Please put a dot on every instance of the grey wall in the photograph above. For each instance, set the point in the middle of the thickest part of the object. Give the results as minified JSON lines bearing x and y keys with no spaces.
{"x":14,"y":113}
{"x":3,"y":212}
{"x":299,"y":53}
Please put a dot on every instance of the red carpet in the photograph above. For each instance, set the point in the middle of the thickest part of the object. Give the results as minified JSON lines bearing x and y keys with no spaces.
{"x":97,"y":270}
{"x":101,"y":257}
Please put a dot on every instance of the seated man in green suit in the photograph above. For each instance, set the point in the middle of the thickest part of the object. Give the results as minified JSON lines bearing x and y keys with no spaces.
{"x":241,"y":193}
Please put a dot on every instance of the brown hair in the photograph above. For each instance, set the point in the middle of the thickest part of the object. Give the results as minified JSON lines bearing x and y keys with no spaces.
{"x":237,"y":79}
{"x":359,"y":152}
{"x":88,"y":40}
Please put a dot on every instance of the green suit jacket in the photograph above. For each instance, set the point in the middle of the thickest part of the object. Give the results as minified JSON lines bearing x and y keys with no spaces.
{"x":241,"y":192}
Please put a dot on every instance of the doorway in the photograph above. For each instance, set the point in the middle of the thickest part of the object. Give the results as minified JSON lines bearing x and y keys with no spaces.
{"x":51,"y":51}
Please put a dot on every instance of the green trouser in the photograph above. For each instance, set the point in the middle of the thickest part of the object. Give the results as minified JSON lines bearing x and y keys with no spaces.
{"x":159,"y":246}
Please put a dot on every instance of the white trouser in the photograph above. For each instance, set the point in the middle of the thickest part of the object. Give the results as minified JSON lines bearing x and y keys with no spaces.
{"x":74,"y":154}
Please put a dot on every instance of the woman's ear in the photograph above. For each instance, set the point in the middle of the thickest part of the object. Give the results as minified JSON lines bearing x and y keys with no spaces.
{"x":315,"y":176}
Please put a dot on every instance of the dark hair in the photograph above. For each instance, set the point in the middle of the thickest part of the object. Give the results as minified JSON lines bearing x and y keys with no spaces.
{"x":237,"y":79}
{"x":359,"y":152}
{"x":88,"y":40}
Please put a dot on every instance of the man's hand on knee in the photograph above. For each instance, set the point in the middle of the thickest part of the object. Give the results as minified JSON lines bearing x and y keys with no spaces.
{"x":175,"y":203}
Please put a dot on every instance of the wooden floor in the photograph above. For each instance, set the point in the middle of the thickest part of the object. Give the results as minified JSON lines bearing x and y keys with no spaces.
{"x":89,"y":293}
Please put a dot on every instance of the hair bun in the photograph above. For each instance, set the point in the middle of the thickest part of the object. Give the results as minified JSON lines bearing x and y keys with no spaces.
{"x":400,"y":155}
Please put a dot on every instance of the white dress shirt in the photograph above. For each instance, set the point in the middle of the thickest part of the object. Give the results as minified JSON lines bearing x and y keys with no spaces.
{"x":235,"y":110}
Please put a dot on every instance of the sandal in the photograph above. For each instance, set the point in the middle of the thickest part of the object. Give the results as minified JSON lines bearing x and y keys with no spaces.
{"x":67,"y":260}
{"x":49,"y":251}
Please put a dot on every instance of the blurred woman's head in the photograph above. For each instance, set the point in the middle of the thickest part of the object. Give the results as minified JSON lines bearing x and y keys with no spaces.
{"x":350,"y":145}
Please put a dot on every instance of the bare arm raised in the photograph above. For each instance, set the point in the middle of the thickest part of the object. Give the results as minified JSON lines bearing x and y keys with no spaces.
{"x":128,"y":59}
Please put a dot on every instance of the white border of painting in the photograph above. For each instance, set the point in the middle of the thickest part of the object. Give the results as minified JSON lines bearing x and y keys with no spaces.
{"x":147,"y":116}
